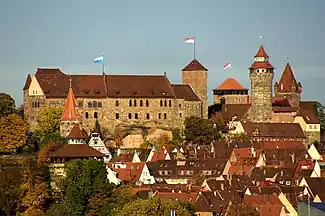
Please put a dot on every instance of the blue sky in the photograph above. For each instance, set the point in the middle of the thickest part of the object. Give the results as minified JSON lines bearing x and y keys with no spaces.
{"x":147,"y":37}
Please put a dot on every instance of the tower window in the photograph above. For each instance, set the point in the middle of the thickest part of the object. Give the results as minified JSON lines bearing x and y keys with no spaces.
{"x":165,"y":103}
{"x":100,"y":104}
{"x":117,"y":103}
{"x":90,"y":105}
{"x":161,"y":103}
{"x":180,"y":105}
{"x":136,"y":115}
{"x":159,"y":115}
{"x":165,"y":115}
{"x":95,"y":115}
{"x":87,"y":115}
{"x":148,"y":116}
{"x":129,"y":115}
{"x":80,"y":104}
{"x":180,"y":114}
{"x":147,"y":103}
{"x":135,"y":103}
{"x":117,"y":116}
{"x":141,"y":103}
{"x":130,"y":102}
{"x":94,"y":103}
{"x":170,"y":103}
{"x":258,"y":70}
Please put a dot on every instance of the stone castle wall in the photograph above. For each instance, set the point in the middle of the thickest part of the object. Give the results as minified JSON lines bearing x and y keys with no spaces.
{"x":261,"y":87}
{"x":287,"y":117}
{"x":231,"y":99}
{"x":198,"y":81}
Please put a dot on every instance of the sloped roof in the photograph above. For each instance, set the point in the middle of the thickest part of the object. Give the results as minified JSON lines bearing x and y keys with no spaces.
{"x":77,"y":132}
{"x":263,"y":65}
{"x":230,"y":84}
{"x":185,"y":92}
{"x":194,"y":65}
{"x":230,"y":110}
{"x":76,"y":151}
{"x":261,"y":52}
{"x":287,"y":81}
{"x":70,"y":113}
{"x":28,"y":81}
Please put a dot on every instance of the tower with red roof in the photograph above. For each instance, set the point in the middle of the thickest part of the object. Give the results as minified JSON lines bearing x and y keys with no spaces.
{"x":288,"y":87}
{"x":261,"y":75}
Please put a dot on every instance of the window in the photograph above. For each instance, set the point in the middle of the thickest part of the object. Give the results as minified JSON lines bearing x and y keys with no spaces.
{"x":165,"y":115}
{"x":130,"y":102}
{"x":117,"y":116}
{"x":165,"y":103}
{"x":180,"y":114}
{"x":90,"y":105}
{"x":80,"y":104}
{"x":141,"y":103}
{"x":129,"y":115}
{"x":136,"y":115}
{"x":148,"y":116}
{"x":159,"y":115}
{"x":170,"y":103}
{"x":147,"y":103}
{"x":161,"y":103}
{"x":180,"y":105}
{"x":117,"y":103}
{"x":86,"y":115}
{"x":94,"y":103}
{"x":135,"y":103}
{"x":315,"y":126}
{"x":95,"y":115}
{"x":310,"y":127}
{"x":100,"y":104}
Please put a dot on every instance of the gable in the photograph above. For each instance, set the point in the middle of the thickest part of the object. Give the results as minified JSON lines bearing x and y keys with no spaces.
{"x":34,"y":87}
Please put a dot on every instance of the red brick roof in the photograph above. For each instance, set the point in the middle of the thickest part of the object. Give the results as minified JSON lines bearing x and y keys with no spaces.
{"x":261,"y":52}
{"x":27,"y":83}
{"x":287,"y":81}
{"x":230,"y":84}
{"x":183,"y":197}
{"x":194,"y":65}
{"x":70,"y":113}
{"x":185,"y":92}
{"x":131,"y":172}
{"x":282,"y":145}
{"x":263,"y":65}
{"x":77,"y":133}
{"x":76,"y":151}
{"x":309,"y":115}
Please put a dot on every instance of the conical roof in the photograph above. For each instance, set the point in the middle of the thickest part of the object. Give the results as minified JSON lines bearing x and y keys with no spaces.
{"x":194,"y":65}
{"x":287,"y":80}
{"x":69,"y":112}
{"x":230,"y":84}
{"x":261,"y":52}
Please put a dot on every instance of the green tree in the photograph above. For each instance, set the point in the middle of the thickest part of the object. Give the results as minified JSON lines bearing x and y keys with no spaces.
{"x":197,"y":179}
{"x":153,"y":206}
{"x":178,"y":139}
{"x":13,"y":133}
{"x":162,"y":141}
{"x":7,"y":104}
{"x":48,"y":120}
{"x":200,"y":131}
{"x":319,"y":108}
{"x":241,"y":209}
{"x":239,"y":138}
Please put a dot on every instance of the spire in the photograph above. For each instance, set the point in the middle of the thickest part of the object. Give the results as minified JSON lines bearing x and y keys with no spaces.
{"x":261,"y":53}
{"x":288,"y":80}
{"x":69,"y":112}
{"x":261,"y":60}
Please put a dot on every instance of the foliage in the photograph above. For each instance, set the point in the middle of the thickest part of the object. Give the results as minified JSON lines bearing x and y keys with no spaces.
{"x":162,"y":141}
{"x":239,"y":138}
{"x":43,"y":154}
{"x":48,"y":120}
{"x":7,"y":105}
{"x":219,"y":122}
{"x":200,"y":131}
{"x":13,"y":133}
{"x":146,"y":144}
{"x":241,"y":209}
{"x":153,"y":206}
{"x":178,"y":139}
{"x":197,"y":179}
{"x":321,"y":115}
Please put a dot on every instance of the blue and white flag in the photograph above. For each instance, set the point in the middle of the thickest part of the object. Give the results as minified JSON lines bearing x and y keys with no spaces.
{"x":99,"y":59}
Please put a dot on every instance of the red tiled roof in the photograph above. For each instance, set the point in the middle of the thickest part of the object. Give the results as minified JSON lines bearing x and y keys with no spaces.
{"x":261,"y":52}
{"x":158,"y":155}
{"x":77,"y":132}
{"x":287,"y":81}
{"x":27,"y":83}
{"x":230,"y":84}
{"x":308,"y":115}
{"x":131,"y":172}
{"x":70,"y":113}
{"x":263,"y":65}
{"x":261,"y":200}
{"x":194,"y":65}
{"x":185,"y":92}
{"x":279,"y":101}
{"x":282,"y":145}
{"x":183,"y":197}
{"x":243,"y":152}
{"x":76,"y":151}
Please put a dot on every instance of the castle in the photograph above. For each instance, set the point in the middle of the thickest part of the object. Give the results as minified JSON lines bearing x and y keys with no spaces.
{"x":120,"y":99}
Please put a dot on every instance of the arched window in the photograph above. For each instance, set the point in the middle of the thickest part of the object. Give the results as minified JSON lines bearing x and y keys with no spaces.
{"x":223,"y":100}
{"x":117,"y":103}
{"x":87,"y":115}
{"x":90,"y":105}
{"x":170,"y":103}
{"x":147,"y":103}
{"x":161,"y":103}
{"x":129,"y":115}
{"x":148,"y":116}
{"x":165,"y":103}
{"x":130,"y":102}
{"x":94,"y":103}
{"x":136,"y":115}
{"x":135,"y":103}
{"x":141,"y":103}
{"x":95,"y":115}
{"x":100,"y":104}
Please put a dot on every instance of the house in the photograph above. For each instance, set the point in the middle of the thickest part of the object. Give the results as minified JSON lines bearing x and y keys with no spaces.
{"x":316,"y":186}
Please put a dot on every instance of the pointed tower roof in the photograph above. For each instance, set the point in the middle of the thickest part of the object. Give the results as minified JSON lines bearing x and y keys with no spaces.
{"x":69,"y":112}
{"x":230,"y":84}
{"x":77,"y":132}
{"x":288,"y":80}
{"x":261,"y":52}
{"x":194,"y":65}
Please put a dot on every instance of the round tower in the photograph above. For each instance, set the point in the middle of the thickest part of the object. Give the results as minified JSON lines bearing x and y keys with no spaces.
{"x":261,"y":75}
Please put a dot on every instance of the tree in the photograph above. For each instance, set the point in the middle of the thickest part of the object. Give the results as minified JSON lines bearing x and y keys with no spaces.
{"x":44,"y":153}
{"x":7,"y":104}
{"x":48,"y":120}
{"x":13,"y":133}
{"x":239,"y":138}
{"x":319,"y":108}
{"x":197,"y":179}
{"x":153,"y":206}
{"x":178,"y":139}
{"x":241,"y":209}
{"x":200,"y":131}
{"x":162,"y":141}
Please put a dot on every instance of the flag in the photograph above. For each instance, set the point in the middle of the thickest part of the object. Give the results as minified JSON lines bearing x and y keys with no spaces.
{"x":190,"y":40}
{"x":99,"y":59}
{"x":226,"y":66}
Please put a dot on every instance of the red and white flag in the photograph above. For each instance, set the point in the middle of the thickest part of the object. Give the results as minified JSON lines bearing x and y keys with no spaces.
{"x":190,"y":40}
{"x":226,"y":66}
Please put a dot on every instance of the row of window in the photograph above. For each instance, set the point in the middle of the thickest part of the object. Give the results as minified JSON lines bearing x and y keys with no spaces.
{"x":131,"y":116}
{"x":134,"y":103}
{"x":35,"y":104}
{"x":95,"y":104}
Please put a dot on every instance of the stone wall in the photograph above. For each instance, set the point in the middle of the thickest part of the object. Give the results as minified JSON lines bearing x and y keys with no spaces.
{"x":261,"y":87}
{"x":282,"y":117}
{"x":231,"y":99}
{"x":198,"y":81}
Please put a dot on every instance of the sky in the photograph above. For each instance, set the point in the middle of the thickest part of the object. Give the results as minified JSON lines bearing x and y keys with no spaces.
{"x":147,"y":37}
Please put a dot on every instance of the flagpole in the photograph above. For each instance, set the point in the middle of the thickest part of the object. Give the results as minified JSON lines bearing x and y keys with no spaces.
{"x":194,"y":46}
{"x":103,"y":65}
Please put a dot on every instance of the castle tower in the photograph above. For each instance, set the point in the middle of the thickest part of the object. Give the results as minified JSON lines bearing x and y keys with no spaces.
{"x":69,"y":114}
{"x":261,"y":76}
{"x":196,"y":75}
{"x":288,"y":87}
